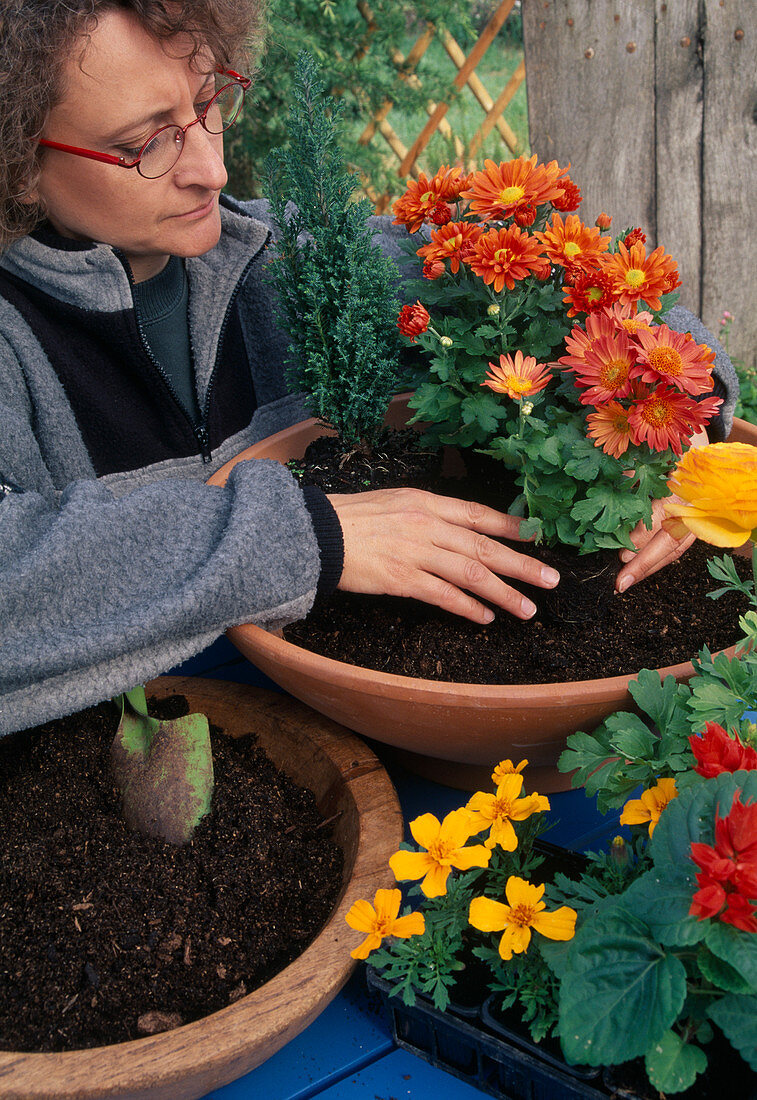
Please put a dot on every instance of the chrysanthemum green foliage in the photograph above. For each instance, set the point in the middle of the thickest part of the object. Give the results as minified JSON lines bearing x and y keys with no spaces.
{"x":336,"y":289}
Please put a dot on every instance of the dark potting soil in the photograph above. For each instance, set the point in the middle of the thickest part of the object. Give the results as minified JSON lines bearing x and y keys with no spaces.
{"x":107,"y":936}
{"x":582,"y":630}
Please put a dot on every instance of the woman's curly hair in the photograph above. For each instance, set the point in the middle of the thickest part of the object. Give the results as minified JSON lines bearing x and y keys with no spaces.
{"x":38,"y":39}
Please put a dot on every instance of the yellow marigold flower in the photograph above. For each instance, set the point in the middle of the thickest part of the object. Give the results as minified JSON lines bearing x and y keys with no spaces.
{"x":716,"y":490}
{"x":506,"y":767}
{"x":648,"y":808}
{"x":525,"y":911}
{"x":380,"y":920}
{"x":497,"y":811}
{"x":444,"y":844}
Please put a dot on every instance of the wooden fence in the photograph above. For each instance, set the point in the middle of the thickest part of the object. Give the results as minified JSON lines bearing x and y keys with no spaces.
{"x":655,"y":106}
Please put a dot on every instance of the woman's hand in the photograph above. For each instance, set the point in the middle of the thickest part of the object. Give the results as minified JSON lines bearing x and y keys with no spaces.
{"x":654,"y":549}
{"x":407,"y":542}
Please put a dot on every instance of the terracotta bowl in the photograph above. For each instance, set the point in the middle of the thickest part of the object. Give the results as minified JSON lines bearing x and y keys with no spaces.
{"x":452,"y":733}
{"x":186,"y":1063}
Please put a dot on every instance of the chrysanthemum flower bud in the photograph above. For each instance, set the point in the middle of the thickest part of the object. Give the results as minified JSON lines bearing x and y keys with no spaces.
{"x":493,"y":310}
{"x":445,"y":341}
{"x":604,"y":221}
{"x":527,"y":408}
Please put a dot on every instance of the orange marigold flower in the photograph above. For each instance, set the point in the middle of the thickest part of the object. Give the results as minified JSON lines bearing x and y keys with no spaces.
{"x":634,"y":237}
{"x":608,"y":369}
{"x":674,"y":357}
{"x":587,"y":291}
{"x":525,"y":911}
{"x":610,"y":428}
{"x":433,"y":269}
{"x":496,"y":812}
{"x":381,"y":920}
{"x":570,"y":199}
{"x":518,"y":377}
{"x":648,"y":808}
{"x":571,"y":242}
{"x":636,"y":276}
{"x":503,"y":256}
{"x":422,"y":195}
{"x":604,"y":221}
{"x":506,"y":767}
{"x":413,"y":320}
{"x":444,"y":843}
{"x":666,"y":418}
{"x":497,"y":191}
{"x":453,"y":241}
{"x":716,"y":490}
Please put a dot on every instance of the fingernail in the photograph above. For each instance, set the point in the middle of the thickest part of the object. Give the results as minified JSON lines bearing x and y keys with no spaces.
{"x":528,"y":609}
{"x":550,"y":576}
{"x":624,"y":583}
{"x":488,"y":616}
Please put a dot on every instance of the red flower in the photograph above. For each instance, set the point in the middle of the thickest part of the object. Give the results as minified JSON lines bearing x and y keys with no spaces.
{"x":441,"y":214}
{"x":413,"y":320}
{"x":635,"y":237}
{"x":740,"y":913}
{"x":433,"y":269}
{"x":571,"y":197}
{"x":604,"y":221}
{"x":717,"y":751}
{"x":727,"y":878}
{"x":525,"y":215}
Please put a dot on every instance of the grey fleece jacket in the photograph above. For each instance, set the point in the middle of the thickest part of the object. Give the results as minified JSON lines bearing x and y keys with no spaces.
{"x":107,"y":581}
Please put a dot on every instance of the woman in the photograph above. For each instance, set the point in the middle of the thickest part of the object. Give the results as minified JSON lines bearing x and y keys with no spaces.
{"x":138,"y":354}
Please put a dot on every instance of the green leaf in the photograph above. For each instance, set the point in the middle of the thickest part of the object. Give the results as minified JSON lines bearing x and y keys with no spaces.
{"x":722,"y":974}
{"x":737,"y":1018}
{"x":673,"y":1065}
{"x":662,"y":700}
{"x":630,"y":737}
{"x":734,"y":946}
{"x":624,"y":994}
{"x":663,"y":900}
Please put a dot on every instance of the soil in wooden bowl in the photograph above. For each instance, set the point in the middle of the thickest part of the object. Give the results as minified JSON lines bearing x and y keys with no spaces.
{"x":105,"y":935}
{"x":582,"y":630}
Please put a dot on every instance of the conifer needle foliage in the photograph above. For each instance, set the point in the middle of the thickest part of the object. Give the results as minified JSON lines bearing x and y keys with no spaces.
{"x":336,"y":289}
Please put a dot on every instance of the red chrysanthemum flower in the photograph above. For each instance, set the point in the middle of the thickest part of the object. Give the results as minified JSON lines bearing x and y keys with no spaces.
{"x":610,"y":429}
{"x":441,"y":214}
{"x":423,"y":195}
{"x":525,"y":215}
{"x":579,"y":340}
{"x":413,"y":320}
{"x":636,"y":236}
{"x":452,"y":242}
{"x":665,"y":418}
{"x":636,"y":276}
{"x":496,"y":192}
{"x":718,"y":751}
{"x":675,"y":358}
{"x":503,"y":256}
{"x":570,"y":199}
{"x":571,"y":242}
{"x":608,"y":369}
{"x":604,"y":221}
{"x":518,"y":377}
{"x":587,"y":291}
{"x":433,"y":269}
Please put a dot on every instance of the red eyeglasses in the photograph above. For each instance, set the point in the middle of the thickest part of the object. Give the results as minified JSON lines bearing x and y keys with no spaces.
{"x":160,"y":152}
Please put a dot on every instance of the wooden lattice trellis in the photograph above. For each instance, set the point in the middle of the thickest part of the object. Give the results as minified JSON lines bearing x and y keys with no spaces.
{"x":466,"y":74}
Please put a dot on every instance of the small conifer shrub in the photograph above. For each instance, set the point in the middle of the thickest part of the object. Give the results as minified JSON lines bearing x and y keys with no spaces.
{"x":336,"y":289}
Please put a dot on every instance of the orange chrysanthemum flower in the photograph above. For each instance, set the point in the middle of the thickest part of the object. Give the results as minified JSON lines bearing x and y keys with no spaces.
{"x":587,"y":291}
{"x":570,"y":199}
{"x":380,"y":920}
{"x":608,"y":370}
{"x":676,"y":358}
{"x":498,"y":191}
{"x":503,"y":256}
{"x":609,"y":427}
{"x":666,"y":418}
{"x":636,"y":236}
{"x":453,"y":241}
{"x":424,"y":195}
{"x":716,"y":494}
{"x":571,"y":242}
{"x":636,"y":276}
{"x":604,"y":221}
{"x":579,"y":341}
{"x":413,"y":320}
{"x":627,"y":318}
{"x":518,"y":377}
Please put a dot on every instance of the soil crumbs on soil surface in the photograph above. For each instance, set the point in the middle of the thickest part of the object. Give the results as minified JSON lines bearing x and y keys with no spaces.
{"x":582,"y":630}
{"x":107,"y":936}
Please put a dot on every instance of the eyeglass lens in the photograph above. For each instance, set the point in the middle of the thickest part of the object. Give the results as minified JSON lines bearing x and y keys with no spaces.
{"x":163,"y":150}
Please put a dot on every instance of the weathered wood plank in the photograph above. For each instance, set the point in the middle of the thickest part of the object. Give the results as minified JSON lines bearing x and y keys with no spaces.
{"x":679,"y":80}
{"x":729,"y":198}
{"x":590,"y":83}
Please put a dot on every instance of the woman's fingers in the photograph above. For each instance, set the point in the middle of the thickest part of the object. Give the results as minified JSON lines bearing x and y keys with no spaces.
{"x":410,"y":543}
{"x":656,"y":549}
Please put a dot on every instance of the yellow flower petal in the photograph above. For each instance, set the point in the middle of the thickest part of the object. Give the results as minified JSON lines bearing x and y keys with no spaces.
{"x":488,"y":915}
{"x":716,"y":487}
{"x":387,"y":903}
{"x":503,"y":834}
{"x":515,"y":940}
{"x":481,"y":804}
{"x":435,"y":882}
{"x":413,"y":924}
{"x":510,"y":787}
{"x":477,"y":855}
{"x":634,"y":813}
{"x":425,"y":830}
{"x":369,"y":944}
{"x":558,"y":925}
{"x":361,"y":916}
{"x":407,"y":865}
{"x":519,"y":892}
{"x":506,"y":767}
{"x":456,"y":828}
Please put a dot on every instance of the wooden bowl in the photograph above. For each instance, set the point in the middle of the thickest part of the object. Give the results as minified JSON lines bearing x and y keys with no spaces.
{"x":189,"y":1061}
{"x":448,"y":732}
